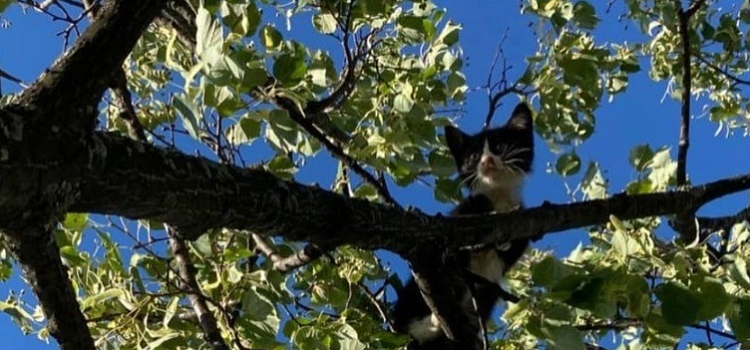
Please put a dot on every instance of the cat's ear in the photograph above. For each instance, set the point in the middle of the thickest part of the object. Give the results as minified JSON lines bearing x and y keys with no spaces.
{"x":456,"y":140}
{"x":521,"y":118}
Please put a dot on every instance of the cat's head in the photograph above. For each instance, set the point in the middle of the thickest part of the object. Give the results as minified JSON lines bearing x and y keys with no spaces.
{"x":498,"y":157}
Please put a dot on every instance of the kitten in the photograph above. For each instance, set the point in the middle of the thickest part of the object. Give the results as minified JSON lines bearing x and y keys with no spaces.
{"x":493,"y":165}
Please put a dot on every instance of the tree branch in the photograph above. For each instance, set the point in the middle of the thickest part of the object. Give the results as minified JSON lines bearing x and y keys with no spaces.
{"x":724,"y":222}
{"x":500,"y":87}
{"x":179,"y":15}
{"x":76,"y":82}
{"x":281,"y":264}
{"x":36,"y":250}
{"x":725,"y":72}
{"x":143,"y":181}
{"x":684,"y":144}
{"x":125,"y":103}
{"x":187,"y":273}
{"x":684,"y":222}
{"x":60,"y":108}
{"x":335,"y":150}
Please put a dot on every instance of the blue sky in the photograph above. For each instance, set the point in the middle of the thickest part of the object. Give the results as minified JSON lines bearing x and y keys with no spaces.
{"x":640,"y":115}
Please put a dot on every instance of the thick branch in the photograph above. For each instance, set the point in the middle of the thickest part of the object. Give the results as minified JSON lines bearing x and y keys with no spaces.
{"x":125,"y":103}
{"x":43,"y":145}
{"x":179,"y":16}
{"x":73,"y":86}
{"x":724,"y":222}
{"x":37,"y":252}
{"x":195,"y":194}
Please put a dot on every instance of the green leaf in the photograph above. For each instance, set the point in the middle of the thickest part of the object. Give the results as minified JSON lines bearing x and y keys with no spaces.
{"x":366,"y":191}
{"x":457,"y":86}
{"x":270,"y":38}
{"x":637,"y":294}
{"x":170,"y":311}
{"x":282,"y":167}
{"x":209,"y":38}
{"x":415,"y":28}
{"x":161,"y":342}
{"x":75,"y":221}
{"x":740,"y":319}
{"x":189,"y":114}
{"x":660,"y":333}
{"x":4,"y":4}
{"x":253,"y":78}
{"x":663,"y":170}
{"x":324,"y":23}
{"x":246,"y":130}
{"x":548,"y":272}
{"x":402,"y":103}
{"x":72,"y":257}
{"x":441,"y":163}
{"x":640,"y":187}
{"x":568,"y":164}
{"x":447,"y":190}
{"x":640,"y":156}
{"x":101,"y":297}
{"x":714,"y":298}
{"x":591,"y":296}
{"x":678,"y":303}
{"x":579,"y":72}
{"x":242,"y":19}
{"x":19,"y":316}
{"x":593,"y":184}
{"x":563,"y":337}
{"x":449,"y":34}
{"x":258,"y":308}
{"x":584,"y":15}
{"x":289,"y":69}
{"x":738,"y":272}
{"x":281,"y":131}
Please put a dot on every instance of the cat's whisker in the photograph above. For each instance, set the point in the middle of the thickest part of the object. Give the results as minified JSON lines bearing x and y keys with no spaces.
{"x":516,"y":151}
{"x":468,"y":180}
{"x":513,"y":161}
{"x":504,"y":151}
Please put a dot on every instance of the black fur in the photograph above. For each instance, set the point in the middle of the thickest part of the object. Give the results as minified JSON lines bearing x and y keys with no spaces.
{"x":512,"y":149}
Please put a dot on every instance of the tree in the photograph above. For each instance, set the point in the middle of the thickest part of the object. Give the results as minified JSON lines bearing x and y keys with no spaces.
{"x":109,"y":131}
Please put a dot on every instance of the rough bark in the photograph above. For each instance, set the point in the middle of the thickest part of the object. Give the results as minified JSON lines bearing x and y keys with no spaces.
{"x":196,"y":194}
{"x":36,"y":250}
{"x":187,"y":280}
{"x":66,"y":96}
{"x":52,"y":162}
{"x":46,"y":146}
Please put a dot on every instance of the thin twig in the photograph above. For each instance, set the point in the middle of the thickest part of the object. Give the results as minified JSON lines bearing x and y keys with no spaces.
{"x":725,"y":72}
{"x":300,"y":258}
{"x":480,"y":320}
{"x":8,"y":76}
{"x":337,"y":151}
{"x":708,"y":329}
{"x":378,"y":305}
{"x":500,"y":87}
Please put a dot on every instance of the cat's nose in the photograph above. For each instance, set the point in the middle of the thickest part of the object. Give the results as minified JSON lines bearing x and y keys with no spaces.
{"x":487,"y":162}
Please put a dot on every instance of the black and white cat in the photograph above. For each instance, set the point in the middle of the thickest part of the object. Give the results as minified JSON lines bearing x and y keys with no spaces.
{"x":493,"y":164}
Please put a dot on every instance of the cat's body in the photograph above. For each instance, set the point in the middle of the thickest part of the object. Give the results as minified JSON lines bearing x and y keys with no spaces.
{"x":493,"y":164}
